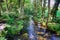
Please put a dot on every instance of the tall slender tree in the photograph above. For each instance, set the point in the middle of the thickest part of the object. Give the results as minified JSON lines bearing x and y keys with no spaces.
{"x":0,"y":6}
{"x":10,"y":6}
{"x":40,"y":7}
{"x":18,"y":2}
{"x":55,"y":8}
{"x":7,"y":5}
{"x":48,"y":13}
{"x":43,"y":9}
{"x":22,"y":8}
{"x":35,"y":11}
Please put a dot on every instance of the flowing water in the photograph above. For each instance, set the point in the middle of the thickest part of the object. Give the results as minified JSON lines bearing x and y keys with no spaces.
{"x":31,"y":32}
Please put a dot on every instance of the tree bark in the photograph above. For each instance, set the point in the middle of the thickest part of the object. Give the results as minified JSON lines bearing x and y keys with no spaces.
{"x":0,"y":7}
{"x":35,"y":12}
{"x":7,"y":5}
{"x":19,"y":3}
{"x":35,"y":7}
{"x":22,"y":8}
{"x":48,"y":13}
{"x":41,"y":7}
{"x":55,"y":8}
{"x":10,"y":7}
{"x":43,"y":10}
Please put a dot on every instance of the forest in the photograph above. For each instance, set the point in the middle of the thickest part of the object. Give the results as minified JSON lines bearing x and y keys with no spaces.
{"x":29,"y":19}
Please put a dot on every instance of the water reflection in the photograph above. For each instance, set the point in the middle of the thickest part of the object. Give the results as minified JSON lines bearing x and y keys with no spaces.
{"x":31,"y":32}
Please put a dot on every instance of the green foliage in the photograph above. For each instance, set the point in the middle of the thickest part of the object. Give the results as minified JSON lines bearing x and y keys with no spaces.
{"x":28,"y":11}
{"x":13,"y":23}
{"x":12,"y":29}
{"x":54,"y":27}
{"x":56,"y":20}
{"x":2,"y":38}
{"x":58,"y":13}
{"x":15,"y":29}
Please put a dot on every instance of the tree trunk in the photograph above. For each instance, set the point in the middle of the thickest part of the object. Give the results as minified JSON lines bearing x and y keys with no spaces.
{"x":43,"y":10}
{"x":55,"y":8}
{"x":41,"y":7}
{"x":48,"y":13}
{"x":22,"y":8}
{"x":35,"y":12}
{"x":19,"y":3}
{"x":10,"y":7}
{"x":0,"y":8}
{"x":35,"y":8}
{"x":7,"y":5}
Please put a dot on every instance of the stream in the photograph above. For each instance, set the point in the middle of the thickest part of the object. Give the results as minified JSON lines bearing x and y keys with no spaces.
{"x":33,"y":36}
{"x":31,"y":31}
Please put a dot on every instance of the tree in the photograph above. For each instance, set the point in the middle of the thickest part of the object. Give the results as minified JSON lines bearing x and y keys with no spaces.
{"x":0,"y":6}
{"x":35,"y":12}
{"x":48,"y":13}
{"x":7,"y":5}
{"x":22,"y":8}
{"x":43,"y":9}
{"x":40,"y":6}
{"x":19,"y":3}
{"x":55,"y":8}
